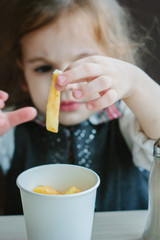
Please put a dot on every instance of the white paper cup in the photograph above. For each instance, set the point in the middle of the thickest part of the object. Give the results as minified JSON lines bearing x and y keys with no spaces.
{"x":58,"y":217}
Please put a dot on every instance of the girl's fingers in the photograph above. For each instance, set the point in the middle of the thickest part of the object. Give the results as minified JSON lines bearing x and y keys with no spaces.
{"x":108,"y":98}
{"x":3,"y":95}
{"x":21,"y":115}
{"x":3,"y":98}
{"x":99,"y":84}
{"x":11,"y":119}
{"x":1,"y":104}
{"x":90,"y":59}
{"x":85,"y":72}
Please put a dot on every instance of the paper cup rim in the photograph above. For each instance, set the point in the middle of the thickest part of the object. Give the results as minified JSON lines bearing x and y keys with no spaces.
{"x":58,"y":196}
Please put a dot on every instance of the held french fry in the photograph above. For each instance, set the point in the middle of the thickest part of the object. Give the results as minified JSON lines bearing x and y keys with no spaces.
{"x":52,"y":114}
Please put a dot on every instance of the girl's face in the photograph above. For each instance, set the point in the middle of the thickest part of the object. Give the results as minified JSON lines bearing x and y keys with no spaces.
{"x":55,"y":46}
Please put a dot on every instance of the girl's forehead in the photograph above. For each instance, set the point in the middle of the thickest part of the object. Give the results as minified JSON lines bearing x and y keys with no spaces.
{"x":74,"y":23}
{"x":71,"y":35}
{"x":68,"y":25}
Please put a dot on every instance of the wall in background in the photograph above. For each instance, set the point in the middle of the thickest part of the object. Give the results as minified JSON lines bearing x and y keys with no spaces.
{"x":146,"y":14}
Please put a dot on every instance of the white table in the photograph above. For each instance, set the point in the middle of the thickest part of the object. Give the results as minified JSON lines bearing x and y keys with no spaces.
{"x":125,"y":225}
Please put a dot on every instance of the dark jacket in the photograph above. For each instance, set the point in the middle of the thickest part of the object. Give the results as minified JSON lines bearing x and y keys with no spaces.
{"x":101,"y":148}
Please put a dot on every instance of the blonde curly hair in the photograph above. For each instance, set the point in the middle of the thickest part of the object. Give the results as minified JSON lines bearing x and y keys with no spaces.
{"x":111,"y":23}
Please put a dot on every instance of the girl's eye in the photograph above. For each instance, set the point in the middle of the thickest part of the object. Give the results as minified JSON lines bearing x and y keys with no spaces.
{"x":44,"y":69}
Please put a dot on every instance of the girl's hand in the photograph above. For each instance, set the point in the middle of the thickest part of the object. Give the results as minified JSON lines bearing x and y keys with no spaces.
{"x":110,"y":78}
{"x":11,"y":119}
{"x":113,"y":79}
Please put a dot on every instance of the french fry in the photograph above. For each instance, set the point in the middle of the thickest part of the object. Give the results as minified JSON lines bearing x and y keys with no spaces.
{"x":46,"y":190}
{"x":53,"y":104}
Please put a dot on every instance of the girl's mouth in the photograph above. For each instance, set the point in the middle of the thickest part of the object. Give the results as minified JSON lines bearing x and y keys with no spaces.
{"x":68,"y":106}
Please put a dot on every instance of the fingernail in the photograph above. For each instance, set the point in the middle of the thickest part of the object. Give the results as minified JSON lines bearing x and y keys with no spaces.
{"x":58,"y":88}
{"x":77,"y":93}
{"x":3,"y":95}
{"x":61,"y":79}
{"x":89,"y":106}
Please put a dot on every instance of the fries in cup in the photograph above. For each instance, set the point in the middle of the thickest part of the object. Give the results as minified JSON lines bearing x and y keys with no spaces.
{"x":46,"y":190}
{"x":73,"y":190}
{"x":49,"y":190}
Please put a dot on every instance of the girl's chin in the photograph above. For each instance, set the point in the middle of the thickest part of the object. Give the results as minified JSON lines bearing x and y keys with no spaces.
{"x":71,"y":118}
{"x":76,"y":116}
{"x":70,"y":122}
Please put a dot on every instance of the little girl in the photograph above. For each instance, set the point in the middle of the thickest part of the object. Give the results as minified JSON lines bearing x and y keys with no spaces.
{"x":108,"y":112}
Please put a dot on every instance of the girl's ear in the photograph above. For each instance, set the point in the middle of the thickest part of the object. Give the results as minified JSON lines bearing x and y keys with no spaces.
{"x":19,"y":63}
{"x":24,"y":87}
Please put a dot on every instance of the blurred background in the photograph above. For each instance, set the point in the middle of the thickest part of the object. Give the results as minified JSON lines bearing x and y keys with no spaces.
{"x":146,"y":15}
